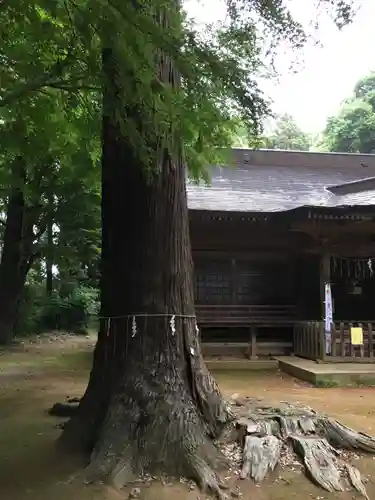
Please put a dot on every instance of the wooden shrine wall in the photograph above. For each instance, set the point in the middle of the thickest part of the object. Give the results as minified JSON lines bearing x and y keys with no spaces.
{"x":237,"y":280}
{"x":243,"y":262}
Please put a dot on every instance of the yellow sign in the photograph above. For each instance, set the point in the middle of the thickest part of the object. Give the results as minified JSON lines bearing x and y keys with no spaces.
{"x":356,"y":334}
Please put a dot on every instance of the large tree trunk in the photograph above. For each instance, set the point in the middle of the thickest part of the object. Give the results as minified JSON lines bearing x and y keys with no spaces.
{"x":150,"y":403}
{"x":14,"y":265}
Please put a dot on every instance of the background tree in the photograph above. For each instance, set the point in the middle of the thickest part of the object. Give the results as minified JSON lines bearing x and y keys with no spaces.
{"x":279,"y":133}
{"x":49,"y":129}
{"x":353,"y":129}
{"x":286,"y":134}
{"x":33,"y":204}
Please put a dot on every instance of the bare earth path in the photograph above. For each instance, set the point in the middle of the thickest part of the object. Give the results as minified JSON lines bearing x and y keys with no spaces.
{"x":34,"y":376}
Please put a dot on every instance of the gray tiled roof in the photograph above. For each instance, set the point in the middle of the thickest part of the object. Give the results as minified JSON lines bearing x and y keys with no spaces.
{"x":276,"y":181}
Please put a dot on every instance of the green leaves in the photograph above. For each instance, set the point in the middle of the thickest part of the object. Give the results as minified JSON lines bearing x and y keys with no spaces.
{"x":353,"y":129}
{"x":50,"y":116}
{"x":51,"y":81}
{"x":39,"y":50}
{"x":286,"y":134}
{"x":51,"y":75}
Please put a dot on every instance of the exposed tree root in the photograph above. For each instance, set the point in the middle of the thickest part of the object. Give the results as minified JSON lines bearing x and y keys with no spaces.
{"x":316,"y":439}
{"x":215,"y":410}
{"x":319,"y":460}
{"x":267,"y":452}
{"x":67,"y":409}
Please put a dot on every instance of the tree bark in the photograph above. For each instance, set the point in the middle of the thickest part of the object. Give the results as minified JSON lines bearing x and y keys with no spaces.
{"x":151,"y":403}
{"x":13,"y":266}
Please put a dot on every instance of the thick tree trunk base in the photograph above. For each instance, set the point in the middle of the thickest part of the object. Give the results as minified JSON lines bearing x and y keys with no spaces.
{"x":6,"y":331}
{"x":154,"y":425}
{"x":162,"y":418}
{"x":161,"y":432}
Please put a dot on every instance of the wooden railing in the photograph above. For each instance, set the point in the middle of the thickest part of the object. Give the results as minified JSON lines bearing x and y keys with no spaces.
{"x":258,"y":315}
{"x":308,"y":339}
{"x":342,"y":347}
{"x":309,"y":342}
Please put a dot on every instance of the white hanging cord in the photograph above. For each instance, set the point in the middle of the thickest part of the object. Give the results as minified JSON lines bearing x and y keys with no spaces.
{"x":146,"y":315}
{"x":369,"y":263}
{"x":172,"y":324}
{"x":134,"y":327}
{"x":196,"y":328}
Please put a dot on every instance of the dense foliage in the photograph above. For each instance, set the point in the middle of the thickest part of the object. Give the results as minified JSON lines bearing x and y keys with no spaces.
{"x":286,"y":134}
{"x":353,"y":129}
{"x":50,"y":121}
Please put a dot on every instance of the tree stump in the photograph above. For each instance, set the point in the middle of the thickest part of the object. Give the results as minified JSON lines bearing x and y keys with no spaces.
{"x":263,"y":431}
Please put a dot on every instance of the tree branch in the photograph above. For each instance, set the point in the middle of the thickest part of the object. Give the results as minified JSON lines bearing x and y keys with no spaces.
{"x":51,"y":79}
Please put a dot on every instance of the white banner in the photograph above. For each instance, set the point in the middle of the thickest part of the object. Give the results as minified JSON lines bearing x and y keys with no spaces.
{"x":328,"y":316}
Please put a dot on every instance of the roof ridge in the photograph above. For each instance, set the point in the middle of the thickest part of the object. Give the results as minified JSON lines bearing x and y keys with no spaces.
{"x":297,"y":159}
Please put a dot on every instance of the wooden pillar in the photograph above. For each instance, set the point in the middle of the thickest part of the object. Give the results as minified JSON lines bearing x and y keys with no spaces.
{"x":322,"y":343}
{"x":234,"y":281}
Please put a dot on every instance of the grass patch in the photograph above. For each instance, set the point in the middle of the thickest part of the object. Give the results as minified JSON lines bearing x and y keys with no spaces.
{"x":366,"y":382}
{"x":347,"y":382}
{"x":326,"y":383}
{"x":75,"y":361}
{"x":67,"y":356}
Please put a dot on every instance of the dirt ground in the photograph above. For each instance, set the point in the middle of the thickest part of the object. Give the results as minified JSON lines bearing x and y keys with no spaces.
{"x":34,"y":376}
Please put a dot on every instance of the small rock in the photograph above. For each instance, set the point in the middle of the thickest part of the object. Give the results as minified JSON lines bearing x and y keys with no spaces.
{"x":134,"y":494}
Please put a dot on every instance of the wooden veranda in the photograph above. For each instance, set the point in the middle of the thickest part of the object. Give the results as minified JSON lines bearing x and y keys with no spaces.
{"x":251,"y":318}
